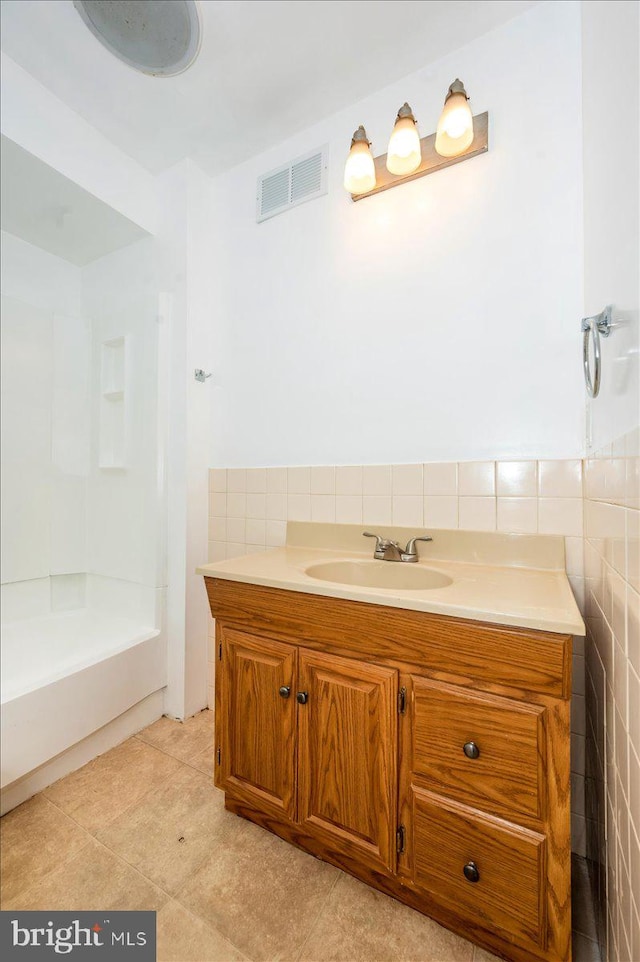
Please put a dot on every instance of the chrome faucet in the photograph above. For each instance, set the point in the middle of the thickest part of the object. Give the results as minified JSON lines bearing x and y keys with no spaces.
{"x":387,"y":550}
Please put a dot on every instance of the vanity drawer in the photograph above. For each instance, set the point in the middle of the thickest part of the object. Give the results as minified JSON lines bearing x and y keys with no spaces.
{"x":479,"y":749}
{"x":481,"y":867}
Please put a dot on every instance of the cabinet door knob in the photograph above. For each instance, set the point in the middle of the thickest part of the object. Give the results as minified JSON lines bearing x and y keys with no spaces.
{"x":302,"y":697}
{"x":471,"y":750}
{"x":471,"y":872}
{"x":285,"y":691}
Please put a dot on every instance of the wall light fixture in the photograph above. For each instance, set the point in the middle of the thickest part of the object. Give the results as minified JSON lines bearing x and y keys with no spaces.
{"x":458,"y":137}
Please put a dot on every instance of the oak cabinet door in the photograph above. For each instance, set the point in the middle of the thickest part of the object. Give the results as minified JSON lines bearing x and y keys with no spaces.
{"x":347,"y":781}
{"x":258,"y":751}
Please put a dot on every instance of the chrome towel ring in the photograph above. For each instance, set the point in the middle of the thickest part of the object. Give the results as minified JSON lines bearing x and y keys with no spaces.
{"x":592,"y":328}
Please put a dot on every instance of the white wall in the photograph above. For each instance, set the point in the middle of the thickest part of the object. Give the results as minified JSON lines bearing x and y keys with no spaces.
{"x":611,"y":111}
{"x":436,"y":321}
{"x":45,"y":424}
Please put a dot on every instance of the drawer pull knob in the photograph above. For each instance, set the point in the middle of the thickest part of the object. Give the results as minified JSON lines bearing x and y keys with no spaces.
{"x":471,"y":872}
{"x":302,"y":697}
{"x":471,"y":750}
{"x":285,"y":691}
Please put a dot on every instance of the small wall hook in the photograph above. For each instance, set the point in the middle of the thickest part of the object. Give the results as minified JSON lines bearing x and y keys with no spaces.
{"x":200,"y":375}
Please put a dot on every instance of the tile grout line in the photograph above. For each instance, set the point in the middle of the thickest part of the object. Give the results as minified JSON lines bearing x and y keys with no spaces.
{"x":210,"y":927}
{"x":65,"y":860}
{"x":316,"y":921}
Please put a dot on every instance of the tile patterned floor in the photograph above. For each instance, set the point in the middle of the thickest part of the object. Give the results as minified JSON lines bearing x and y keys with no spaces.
{"x":142,"y":827}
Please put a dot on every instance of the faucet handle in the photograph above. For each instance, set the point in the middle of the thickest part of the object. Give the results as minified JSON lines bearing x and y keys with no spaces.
{"x":411,"y":545}
{"x":379,"y":540}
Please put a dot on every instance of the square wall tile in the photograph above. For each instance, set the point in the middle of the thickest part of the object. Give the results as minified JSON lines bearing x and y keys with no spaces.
{"x":634,"y":711}
{"x":256,"y":480}
{"x":440,"y":479}
{"x":275,"y":533}
{"x":299,"y":480}
{"x":276,"y":480}
{"x":236,"y":529}
{"x":323,"y":508}
{"x":276,"y":506}
{"x":406,"y":479}
{"x":560,"y":479}
{"x":633,"y":547}
{"x":476,"y":478}
{"x":376,"y":479}
{"x":349,"y":479}
{"x":236,"y":550}
{"x":632,"y":483}
{"x":407,"y":510}
{"x":217,"y":551}
{"x":218,"y":480}
{"x":441,"y":511}
{"x":256,"y":505}
{"x":560,"y":516}
{"x":217,"y":529}
{"x":299,"y":507}
{"x":518,"y":514}
{"x":517,"y":479}
{"x":323,"y":480}
{"x":574,"y":556}
{"x":237,"y":480}
{"x":255,"y":531}
{"x":633,"y":628}
{"x":236,"y":505}
{"x":217,"y":505}
{"x":348,"y":509}
{"x":376,"y":509}
{"x":477,"y":514}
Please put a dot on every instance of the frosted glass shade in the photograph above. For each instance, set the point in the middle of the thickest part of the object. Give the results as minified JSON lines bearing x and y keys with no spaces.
{"x":455,"y":127}
{"x":403,"y":153}
{"x":359,"y":171}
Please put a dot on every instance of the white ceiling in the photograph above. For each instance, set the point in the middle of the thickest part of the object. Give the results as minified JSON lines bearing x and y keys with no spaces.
{"x":45,"y":208}
{"x":266,"y":69}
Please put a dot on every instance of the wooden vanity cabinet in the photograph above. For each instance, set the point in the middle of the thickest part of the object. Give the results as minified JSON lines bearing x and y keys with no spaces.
{"x":426,"y":755}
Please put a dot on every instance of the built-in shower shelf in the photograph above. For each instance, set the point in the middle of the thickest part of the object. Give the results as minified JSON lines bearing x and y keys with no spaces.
{"x":113,"y":405}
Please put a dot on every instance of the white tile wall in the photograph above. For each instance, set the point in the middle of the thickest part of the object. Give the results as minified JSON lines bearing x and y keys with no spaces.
{"x":612,"y":716}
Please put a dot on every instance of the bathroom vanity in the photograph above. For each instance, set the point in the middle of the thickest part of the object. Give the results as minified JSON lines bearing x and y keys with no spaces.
{"x":423,"y":752}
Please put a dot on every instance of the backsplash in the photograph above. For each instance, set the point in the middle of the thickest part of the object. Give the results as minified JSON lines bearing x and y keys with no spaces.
{"x":249,"y":509}
{"x":612,"y":572}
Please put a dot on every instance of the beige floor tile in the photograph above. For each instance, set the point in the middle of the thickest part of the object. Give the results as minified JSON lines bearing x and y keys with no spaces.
{"x":203,"y":761}
{"x":184,"y":740}
{"x":95,"y":878}
{"x":261,"y":893}
{"x":169,"y":833}
{"x":184,"y":938}
{"x":362,"y":925}
{"x":35,"y":838}
{"x":111,"y":783}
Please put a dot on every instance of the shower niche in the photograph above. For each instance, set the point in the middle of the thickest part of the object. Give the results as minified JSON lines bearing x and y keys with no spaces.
{"x":113,"y":405}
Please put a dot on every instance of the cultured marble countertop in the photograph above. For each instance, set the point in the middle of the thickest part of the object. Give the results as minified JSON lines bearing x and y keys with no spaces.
{"x":517,"y":580}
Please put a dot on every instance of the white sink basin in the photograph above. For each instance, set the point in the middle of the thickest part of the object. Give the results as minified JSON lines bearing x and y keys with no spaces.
{"x":379,"y":574}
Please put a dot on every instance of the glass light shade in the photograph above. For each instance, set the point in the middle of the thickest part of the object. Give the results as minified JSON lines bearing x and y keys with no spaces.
{"x":455,"y":127}
{"x":359,"y":171}
{"x":403,"y":153}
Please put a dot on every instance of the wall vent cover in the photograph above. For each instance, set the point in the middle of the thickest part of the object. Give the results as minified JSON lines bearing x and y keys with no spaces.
{"x":296,"y":182}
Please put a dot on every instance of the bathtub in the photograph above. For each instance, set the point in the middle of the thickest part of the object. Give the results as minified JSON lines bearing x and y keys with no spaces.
{"x":66,"y":675}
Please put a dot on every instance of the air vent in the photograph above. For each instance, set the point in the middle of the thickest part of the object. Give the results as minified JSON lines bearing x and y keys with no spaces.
{"x":301,"y":180}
